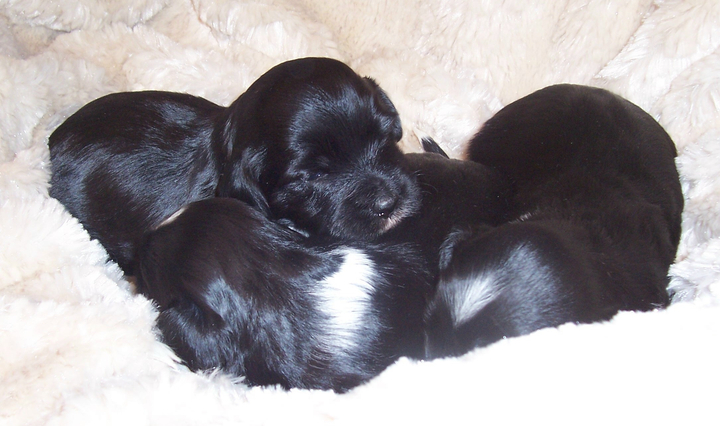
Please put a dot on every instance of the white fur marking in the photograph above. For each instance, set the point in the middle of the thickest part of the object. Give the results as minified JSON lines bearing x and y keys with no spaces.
{"x":470,"y":296}
{"x":345,"y":298}
{"x":524,"y":217}
{"x":173,"y":216}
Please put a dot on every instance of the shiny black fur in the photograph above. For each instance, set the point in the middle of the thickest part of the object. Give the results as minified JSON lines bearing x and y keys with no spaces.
{"x":592,"y":229}
{"x":240,"y":293}
{"x":310,"y":142}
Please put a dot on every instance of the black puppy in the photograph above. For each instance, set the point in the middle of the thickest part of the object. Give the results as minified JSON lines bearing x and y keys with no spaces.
{"x":240,"y":293}
{"x":310,"y":142}
{"x":594,"y":221}
{"x":317,"y":144}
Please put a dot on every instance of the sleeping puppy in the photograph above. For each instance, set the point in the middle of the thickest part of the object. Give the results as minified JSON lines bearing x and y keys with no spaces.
{"x":316,"y":144}
{"x":310,"y":142}
{"x":240,"y":293}
{"x":594,"y":221}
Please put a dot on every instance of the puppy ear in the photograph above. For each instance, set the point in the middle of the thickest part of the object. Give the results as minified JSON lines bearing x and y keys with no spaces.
{"x":455,"y":237}
{"x":390,"y":118}
{"x":243,"y":162}
{"x":429,"y":145}
{"x":447,"y":246}
{"x":241,"y":178}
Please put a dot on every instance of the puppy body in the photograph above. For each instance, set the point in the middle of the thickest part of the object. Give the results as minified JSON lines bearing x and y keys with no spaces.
{"x":593,"y":227}
{"x":310,"y":142}
{"x":126,"y":161}
{"x":240,"y":293}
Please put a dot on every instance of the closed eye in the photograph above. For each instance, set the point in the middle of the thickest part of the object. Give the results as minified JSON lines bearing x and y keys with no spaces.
{"x":316,"y":175}
{"x":319,"y":168}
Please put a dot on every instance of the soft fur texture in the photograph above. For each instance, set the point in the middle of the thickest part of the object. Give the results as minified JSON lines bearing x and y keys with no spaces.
{"x":128,"y":160}
{"x":78,"y":347}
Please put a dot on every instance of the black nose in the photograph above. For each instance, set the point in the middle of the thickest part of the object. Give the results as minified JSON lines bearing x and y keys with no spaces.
{"x":384,"y":205}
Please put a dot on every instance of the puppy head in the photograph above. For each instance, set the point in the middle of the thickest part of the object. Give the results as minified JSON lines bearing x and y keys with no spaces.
{"x":314,"y":143}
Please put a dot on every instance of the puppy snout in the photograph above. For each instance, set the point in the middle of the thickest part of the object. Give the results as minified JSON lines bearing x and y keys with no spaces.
{"x":385,"y":204}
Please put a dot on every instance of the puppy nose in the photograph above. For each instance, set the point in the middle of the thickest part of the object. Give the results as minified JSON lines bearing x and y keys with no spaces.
{"x":384,"y":205}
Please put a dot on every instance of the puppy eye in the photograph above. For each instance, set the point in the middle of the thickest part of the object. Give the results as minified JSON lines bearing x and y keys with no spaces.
{"x":320,"y":168}
{"x":315,"y":175}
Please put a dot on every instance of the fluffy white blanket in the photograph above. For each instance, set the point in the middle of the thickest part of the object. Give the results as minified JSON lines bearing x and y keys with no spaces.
{"x":77,"y":347}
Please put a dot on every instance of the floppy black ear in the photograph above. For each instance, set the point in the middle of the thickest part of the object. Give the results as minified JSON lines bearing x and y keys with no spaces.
{"x":241,"y":178}
{"x":456,"y":236}
{"x":391,"y":119}
{"x":448,"y":246}
{"x":242,"y":163}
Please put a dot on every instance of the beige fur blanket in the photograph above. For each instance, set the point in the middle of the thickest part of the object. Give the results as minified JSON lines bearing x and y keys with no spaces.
{"x":77,"y":347}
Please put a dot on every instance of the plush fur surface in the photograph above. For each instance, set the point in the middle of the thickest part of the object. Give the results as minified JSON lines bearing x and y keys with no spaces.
{"x":78,"y":347}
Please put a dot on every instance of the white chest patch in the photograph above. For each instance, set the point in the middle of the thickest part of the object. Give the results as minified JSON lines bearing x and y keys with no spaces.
{"x":345,"y":298}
